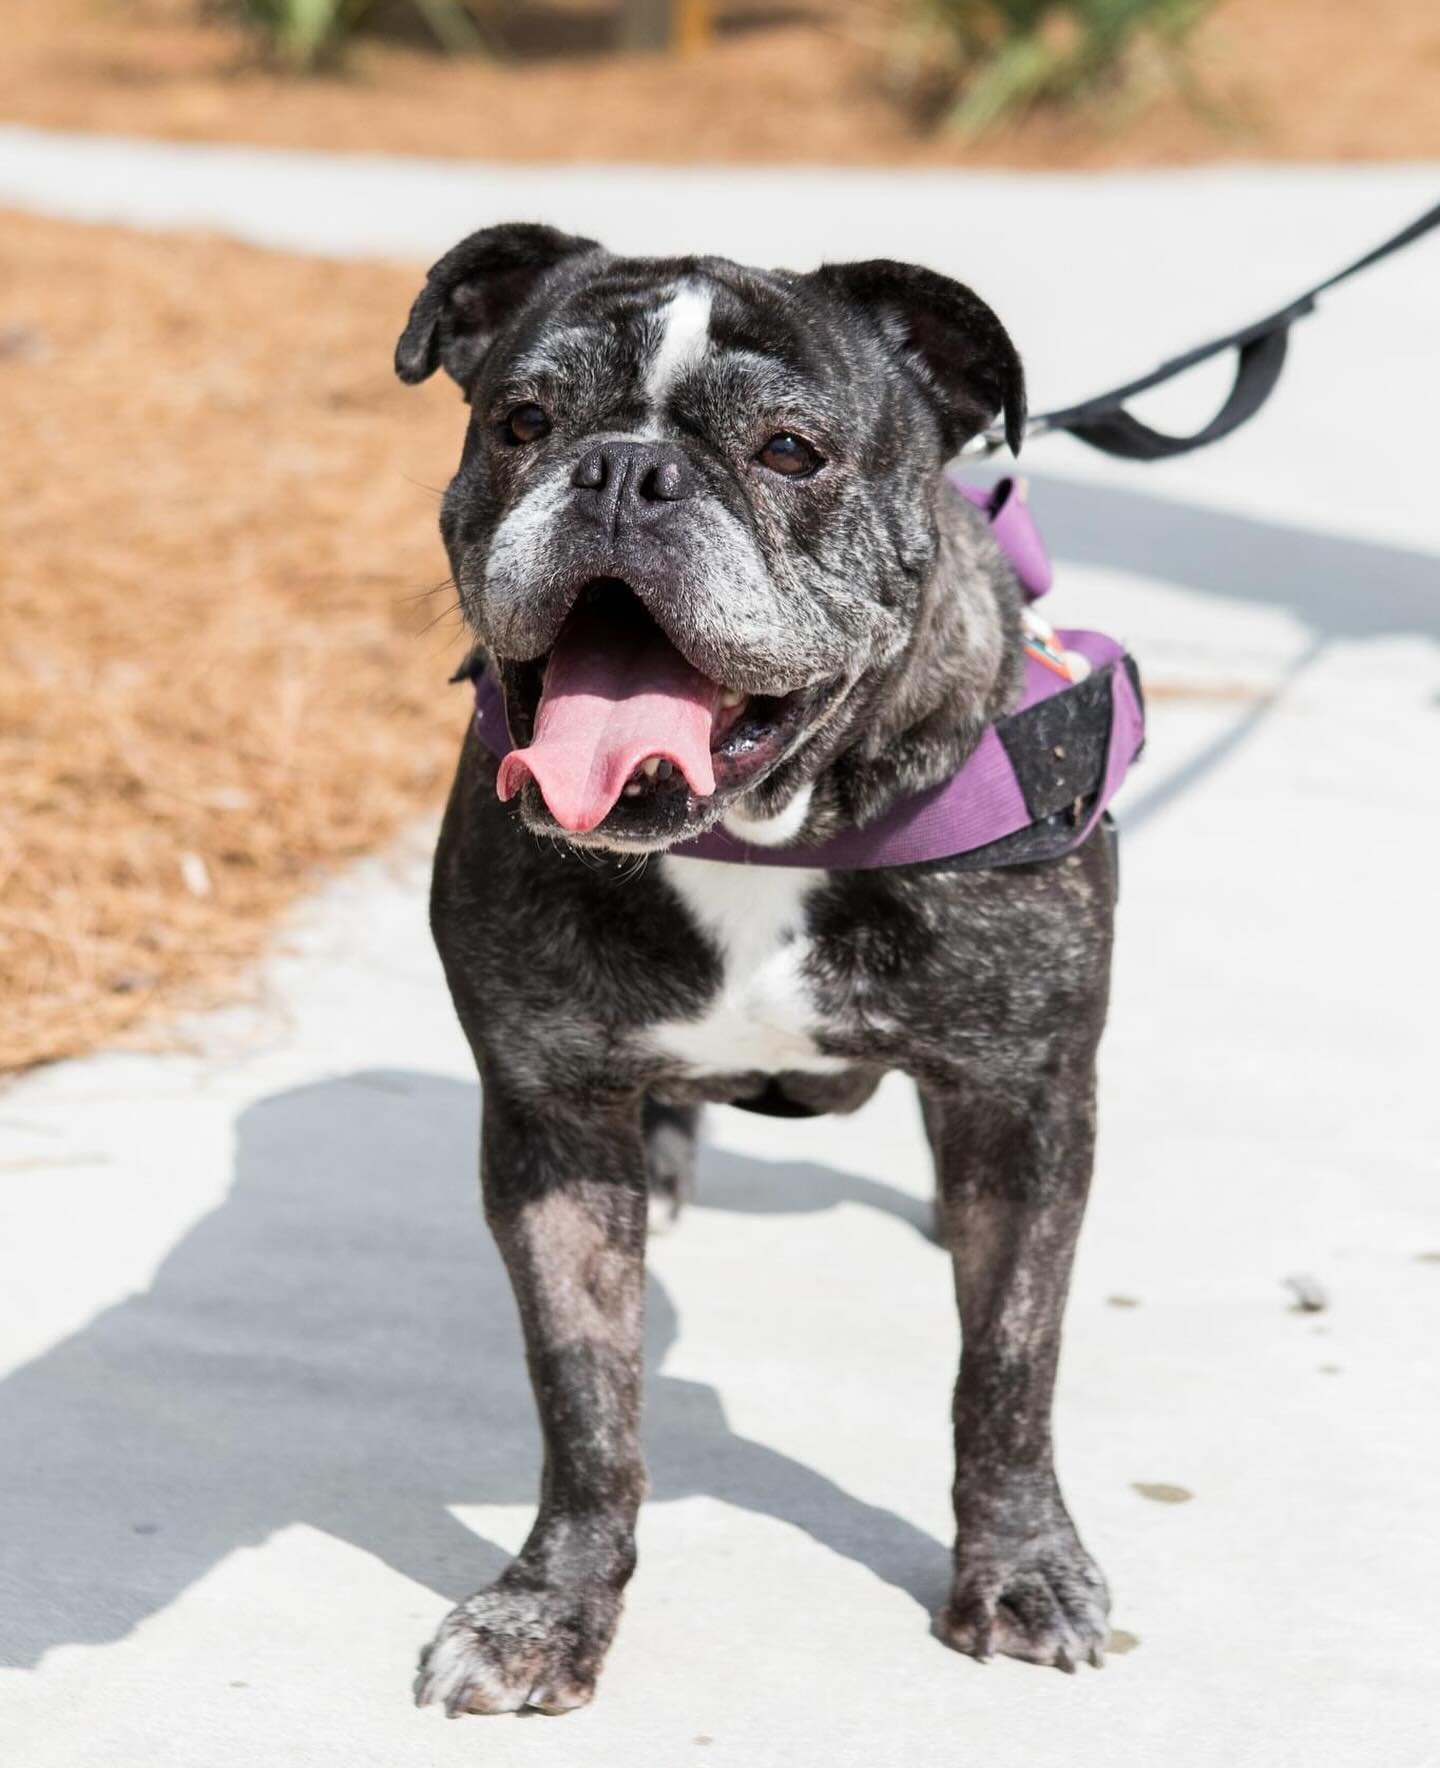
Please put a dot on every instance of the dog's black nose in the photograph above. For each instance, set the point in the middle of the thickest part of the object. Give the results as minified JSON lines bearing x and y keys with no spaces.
{"x":634,"y":479}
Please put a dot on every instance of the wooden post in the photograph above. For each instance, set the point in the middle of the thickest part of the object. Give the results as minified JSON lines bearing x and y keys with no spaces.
{"x":693,"y":20}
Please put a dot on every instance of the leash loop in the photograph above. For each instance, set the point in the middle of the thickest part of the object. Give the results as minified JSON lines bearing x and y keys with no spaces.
{"x":1103,"y":422}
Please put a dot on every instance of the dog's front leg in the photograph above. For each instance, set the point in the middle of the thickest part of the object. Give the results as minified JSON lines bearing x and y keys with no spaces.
{"x":1013,"y":1175}
{"x":565,"y":1193}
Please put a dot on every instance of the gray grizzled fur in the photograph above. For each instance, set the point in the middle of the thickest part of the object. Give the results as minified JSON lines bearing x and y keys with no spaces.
{"x":870,"y":610}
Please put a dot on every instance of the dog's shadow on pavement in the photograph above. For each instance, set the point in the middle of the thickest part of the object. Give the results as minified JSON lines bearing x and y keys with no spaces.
{"x":337,"y":1345}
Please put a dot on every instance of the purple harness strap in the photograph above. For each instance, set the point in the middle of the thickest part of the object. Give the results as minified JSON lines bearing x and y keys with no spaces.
{"x":983,"y":801}
{"x":1005,"y":508}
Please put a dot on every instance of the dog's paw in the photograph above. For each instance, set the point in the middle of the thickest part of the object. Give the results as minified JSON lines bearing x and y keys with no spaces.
{"x":506,"y":1649}
{"x":670,"y":1162}
{"x":662,"y":1211}
{"x":1043,"y":1600}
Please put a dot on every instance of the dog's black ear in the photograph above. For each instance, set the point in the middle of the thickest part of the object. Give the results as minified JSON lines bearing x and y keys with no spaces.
{"x":472,"y":291}
{"x":947,"y":335}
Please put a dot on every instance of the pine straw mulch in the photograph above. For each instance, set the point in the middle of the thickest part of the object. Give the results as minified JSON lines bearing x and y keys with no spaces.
{"x":218,"y":673}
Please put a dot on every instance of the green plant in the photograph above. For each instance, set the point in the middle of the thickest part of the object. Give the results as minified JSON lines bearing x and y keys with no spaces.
{"x":999,"y":57}
{"x":303,"y":33}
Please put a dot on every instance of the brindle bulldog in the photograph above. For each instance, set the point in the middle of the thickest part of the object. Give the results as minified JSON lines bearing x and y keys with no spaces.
{"x":701,"y":536}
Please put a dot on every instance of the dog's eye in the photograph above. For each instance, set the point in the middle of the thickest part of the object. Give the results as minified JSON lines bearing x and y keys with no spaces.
{"x":791,"y":456}
{"x":527,"y":423}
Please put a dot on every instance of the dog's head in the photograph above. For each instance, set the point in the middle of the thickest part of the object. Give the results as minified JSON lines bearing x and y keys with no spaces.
{"x":695,"y":511}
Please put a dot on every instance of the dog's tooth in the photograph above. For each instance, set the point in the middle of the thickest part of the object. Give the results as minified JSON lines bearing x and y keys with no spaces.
{"x":632,"y":789}
{"x":731,"y":697}
{"x":651,"y":767}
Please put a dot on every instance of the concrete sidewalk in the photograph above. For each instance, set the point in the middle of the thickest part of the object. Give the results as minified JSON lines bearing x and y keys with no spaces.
{"x":242,"y":1471}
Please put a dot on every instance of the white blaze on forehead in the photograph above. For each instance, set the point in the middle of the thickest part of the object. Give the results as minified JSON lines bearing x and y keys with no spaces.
{"x":684,"y":337}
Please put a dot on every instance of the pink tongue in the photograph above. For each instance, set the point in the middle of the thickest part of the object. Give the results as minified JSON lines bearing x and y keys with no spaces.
{"x":611,"y":700}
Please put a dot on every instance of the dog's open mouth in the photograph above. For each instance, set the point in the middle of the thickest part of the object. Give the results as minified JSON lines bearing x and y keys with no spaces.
{"x":616,"y":715}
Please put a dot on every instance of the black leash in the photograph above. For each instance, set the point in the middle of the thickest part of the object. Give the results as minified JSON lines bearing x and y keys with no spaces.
{"x":1104,"y":423}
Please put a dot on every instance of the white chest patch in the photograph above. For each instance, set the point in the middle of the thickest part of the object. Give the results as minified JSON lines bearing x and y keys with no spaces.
{"x":763,"y":1017}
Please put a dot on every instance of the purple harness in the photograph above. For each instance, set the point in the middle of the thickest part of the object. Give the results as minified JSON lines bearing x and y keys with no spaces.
{"x":1047,"y":770}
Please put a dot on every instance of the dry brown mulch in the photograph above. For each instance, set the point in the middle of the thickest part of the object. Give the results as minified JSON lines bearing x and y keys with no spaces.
{"x":783,"y":80}
{"x":216,"y":678}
